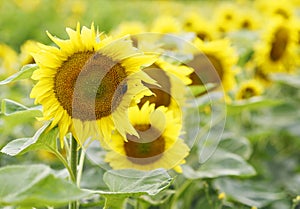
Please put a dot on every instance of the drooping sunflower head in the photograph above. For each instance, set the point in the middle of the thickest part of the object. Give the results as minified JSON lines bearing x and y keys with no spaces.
{"x":172,"y":80}
{"x":27,"y":49}
{"x":88,"y":82}
{"x":213,"y":62}
{"x":249,"y":89}
{"x":276,"y":51}
{"x":158,"y":146}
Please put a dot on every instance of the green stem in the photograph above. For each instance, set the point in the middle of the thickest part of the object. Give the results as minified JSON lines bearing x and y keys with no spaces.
{"x":73,"y":166}
{"x":186,"y":184}
{"x":63,"y":160}
{"x":80,"y":166}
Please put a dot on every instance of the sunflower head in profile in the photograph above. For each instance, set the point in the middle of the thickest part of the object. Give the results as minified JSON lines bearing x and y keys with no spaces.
{"x":249,"y":89}
{"x":87,"y":83}
{"x":27,"y":49}
{"x":213,"y":62}
{"x":276,"y":51}
{"x":158,"y":146}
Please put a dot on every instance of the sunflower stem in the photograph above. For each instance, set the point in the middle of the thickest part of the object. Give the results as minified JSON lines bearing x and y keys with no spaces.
{"x":73,"y":166}
{"x":80,"y":166}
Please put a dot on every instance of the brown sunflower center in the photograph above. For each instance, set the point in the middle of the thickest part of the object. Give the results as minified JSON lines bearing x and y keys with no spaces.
{"x":89,"y":85}
{"x":279,"y":44}
{"x":163,"y":93}
{"x":146,"y":149}
{"x":248,"y":92}
{"x":207,"y":69}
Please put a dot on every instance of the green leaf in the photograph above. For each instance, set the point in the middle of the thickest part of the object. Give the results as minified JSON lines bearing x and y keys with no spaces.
{"x":221,"y":163}
{"x":25,"y":72}
{"x":200,"y":89}
{"x":132,"y":183}
{"x":36,"y":186}
{"x":291,"y":80}
{"x":41,"y":140}
{"x":14,"y":113}
{"x":129,"y":181}
{"x":247,"y":192}
{"x":251,"y":104}
{"x":236,"y":144}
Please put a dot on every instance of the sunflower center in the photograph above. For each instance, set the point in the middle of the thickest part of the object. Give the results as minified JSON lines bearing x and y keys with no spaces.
{"x":248,"y":93}
{"x":163,"y":93}
{"x":146,"y":149}
{"x":207,"y":69}
{"x":90,"y":85}
{"x":279,"y":44}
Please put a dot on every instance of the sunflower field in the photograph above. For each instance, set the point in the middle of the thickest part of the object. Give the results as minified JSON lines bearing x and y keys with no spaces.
{"x":150,"y":104}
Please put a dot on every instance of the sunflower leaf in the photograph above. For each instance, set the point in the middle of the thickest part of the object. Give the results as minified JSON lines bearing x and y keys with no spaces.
{"x":36,"y":186}
{"x":25,"y":72}
{"x":41,"y":140}
{"x":221,"y":163}
{"x":10,"y":108}
{"x":251,"y":193}
{"x":132,"y":183}
{"x":250,"y":104}
{"x":291,"y":80}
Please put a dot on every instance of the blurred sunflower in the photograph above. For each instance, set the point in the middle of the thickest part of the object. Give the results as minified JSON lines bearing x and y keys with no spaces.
{"x":8,"y":60}
{"x":248,"y":20}
{"x":226,"y":16}
{"x":166,"y":24}
{"x":276,"y":52}
{"x":280,"y":8}
{"x":172,"y":80}
{"x":203,"y":29}
{"x":213,"y":62}
{"x":129,"y":28}
{"x":248,"y":89}
{"x":159,"y":145}
{"x":87,"y":84}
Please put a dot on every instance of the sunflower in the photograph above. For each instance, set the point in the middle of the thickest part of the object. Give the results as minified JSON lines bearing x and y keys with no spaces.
{"x":166,"y":24}
{"x":213,"y":62}
{"x":87,"y":84}
{"x":276,"y":52}
{"x":172,"y":80}
{"x":8,"y":60}
{"x":280,"y":8}
{"x":248,"y":20}
{"x":27,"y":49}
{"x":129,"y":28}
{"x":203,"y":29}
{"x":159,"y":145}
{"x":226,"y":16}
{"x":248,"y":89}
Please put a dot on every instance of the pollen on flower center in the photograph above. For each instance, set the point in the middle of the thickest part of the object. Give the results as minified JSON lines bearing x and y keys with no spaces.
{"x":279,"y":44}
{"x":90,"y":85}
{"x":146,"y":149}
